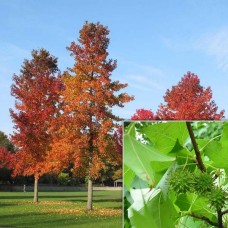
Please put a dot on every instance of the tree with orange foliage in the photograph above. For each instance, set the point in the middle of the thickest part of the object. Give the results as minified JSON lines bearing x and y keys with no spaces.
{"x":188,"y":100}
{"x":89,"y":97}
{"x":37,"y":91}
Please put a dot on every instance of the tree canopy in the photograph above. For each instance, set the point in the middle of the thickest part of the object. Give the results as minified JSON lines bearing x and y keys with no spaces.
{"x":37,"y":91}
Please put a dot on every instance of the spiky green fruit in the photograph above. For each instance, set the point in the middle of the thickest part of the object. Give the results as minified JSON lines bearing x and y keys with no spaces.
{"x":217,"y":198}
{"x":203,"y":182}
{"x":181,"y":181}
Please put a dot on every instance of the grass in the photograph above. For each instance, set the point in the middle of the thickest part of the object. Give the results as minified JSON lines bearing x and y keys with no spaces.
{"x":60,"y":209}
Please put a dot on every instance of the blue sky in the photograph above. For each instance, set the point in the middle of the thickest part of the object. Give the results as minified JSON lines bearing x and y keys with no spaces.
{"x":154,"y":42}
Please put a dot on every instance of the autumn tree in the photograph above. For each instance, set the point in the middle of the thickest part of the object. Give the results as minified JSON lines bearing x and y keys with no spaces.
{"x":143,"y":114}
{"x":7,"y":151}
{"x":5,"y":157}
{"x":188,"y":100}
{"x":37,"y":91}
{"x":89,"y":97}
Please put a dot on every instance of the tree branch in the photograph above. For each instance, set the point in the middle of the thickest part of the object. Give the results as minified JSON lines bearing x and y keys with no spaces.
{"x":204,"y":218}
{"x":196,"y":149}
{"x":219,"y":213}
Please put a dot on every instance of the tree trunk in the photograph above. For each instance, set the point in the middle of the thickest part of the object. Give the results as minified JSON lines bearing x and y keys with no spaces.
{"x":35,"y":199}
{"x":90,"y":195}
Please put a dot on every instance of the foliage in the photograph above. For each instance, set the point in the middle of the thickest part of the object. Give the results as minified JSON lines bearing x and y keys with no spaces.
{"x":218,"y":198}
{"x":143,"y":114}
{"x":188,"y":100}
{"x":37,"y":91}
{"x":63,"y":178}
{"x":6,"y":158}
{"x":118,"y":174}
{"x":164,"y":185}
{"x":5,"y":142}
{"x":87,"y":122}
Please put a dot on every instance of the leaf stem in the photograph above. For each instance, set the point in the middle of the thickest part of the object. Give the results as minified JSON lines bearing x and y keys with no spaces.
{"x":204,"y":218}
{"x":196,"y":149}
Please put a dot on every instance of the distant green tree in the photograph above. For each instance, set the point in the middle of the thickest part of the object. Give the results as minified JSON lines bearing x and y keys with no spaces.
{"x":5,"y":142}
{"x":63,"y":178}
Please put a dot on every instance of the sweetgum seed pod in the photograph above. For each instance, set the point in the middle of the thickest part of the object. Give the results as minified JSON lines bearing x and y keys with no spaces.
{"x":217,"y":198}
{"x":181,"y":181}
{"x":203,"y":182}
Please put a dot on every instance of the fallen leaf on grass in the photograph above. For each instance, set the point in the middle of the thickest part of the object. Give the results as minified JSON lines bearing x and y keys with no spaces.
{"x":81,"y":211}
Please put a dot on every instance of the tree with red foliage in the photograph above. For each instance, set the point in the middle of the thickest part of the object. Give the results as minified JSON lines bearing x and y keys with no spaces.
{"x":5,"y":158}
{"x":37,"y":92}
{"x":89,"y":96}
{"x":143,"y":114}
{"x":188,"y":100}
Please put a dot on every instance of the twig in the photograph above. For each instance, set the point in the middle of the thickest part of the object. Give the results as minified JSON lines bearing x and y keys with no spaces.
{"x":196,"y":149}
{"x":204,"y":218}
{"x":219,"y":213}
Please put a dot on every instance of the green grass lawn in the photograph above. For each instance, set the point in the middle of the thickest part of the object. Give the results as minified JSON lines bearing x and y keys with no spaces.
{"x":61,"y":209}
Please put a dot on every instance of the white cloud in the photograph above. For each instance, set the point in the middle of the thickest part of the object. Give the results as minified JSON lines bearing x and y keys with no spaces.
{"x":143,"y":82}
{"x":215,"y":44}
{"x":144,"y":77}
{"x":146,"y":69}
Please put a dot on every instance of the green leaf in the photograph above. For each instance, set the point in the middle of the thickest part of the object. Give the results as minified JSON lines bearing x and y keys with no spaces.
{"x":202,"y":143}
{"x":164,"y":135}
{"x":131,"y":129}
{"x":183,"y":156}
{"x":224,"y":138}
{"x":159,"y":169}
{"x":128,"y":176}
{"x":150,"y":209}
{"x":217,"y":152}
{"x":138,"y":157}
{"x":190,"y":222}
{"x":163,"y":183}
{"x":191,"y":202}
{"x":138,"y":183}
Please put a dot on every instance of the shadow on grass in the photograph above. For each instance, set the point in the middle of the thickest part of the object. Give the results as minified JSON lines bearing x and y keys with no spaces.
{"x":34,"y":220}
{"x":95,"y":200}
{"x":6,"y":205}
{"x":42,"y":220}
{"x":15,"y":197}
{"x":72,"y":198}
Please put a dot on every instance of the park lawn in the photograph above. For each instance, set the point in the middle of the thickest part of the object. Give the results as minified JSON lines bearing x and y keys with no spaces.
{"x":61,"y":209}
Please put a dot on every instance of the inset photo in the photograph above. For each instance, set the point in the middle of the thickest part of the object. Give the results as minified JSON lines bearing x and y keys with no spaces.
{"x":175,"y":174}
